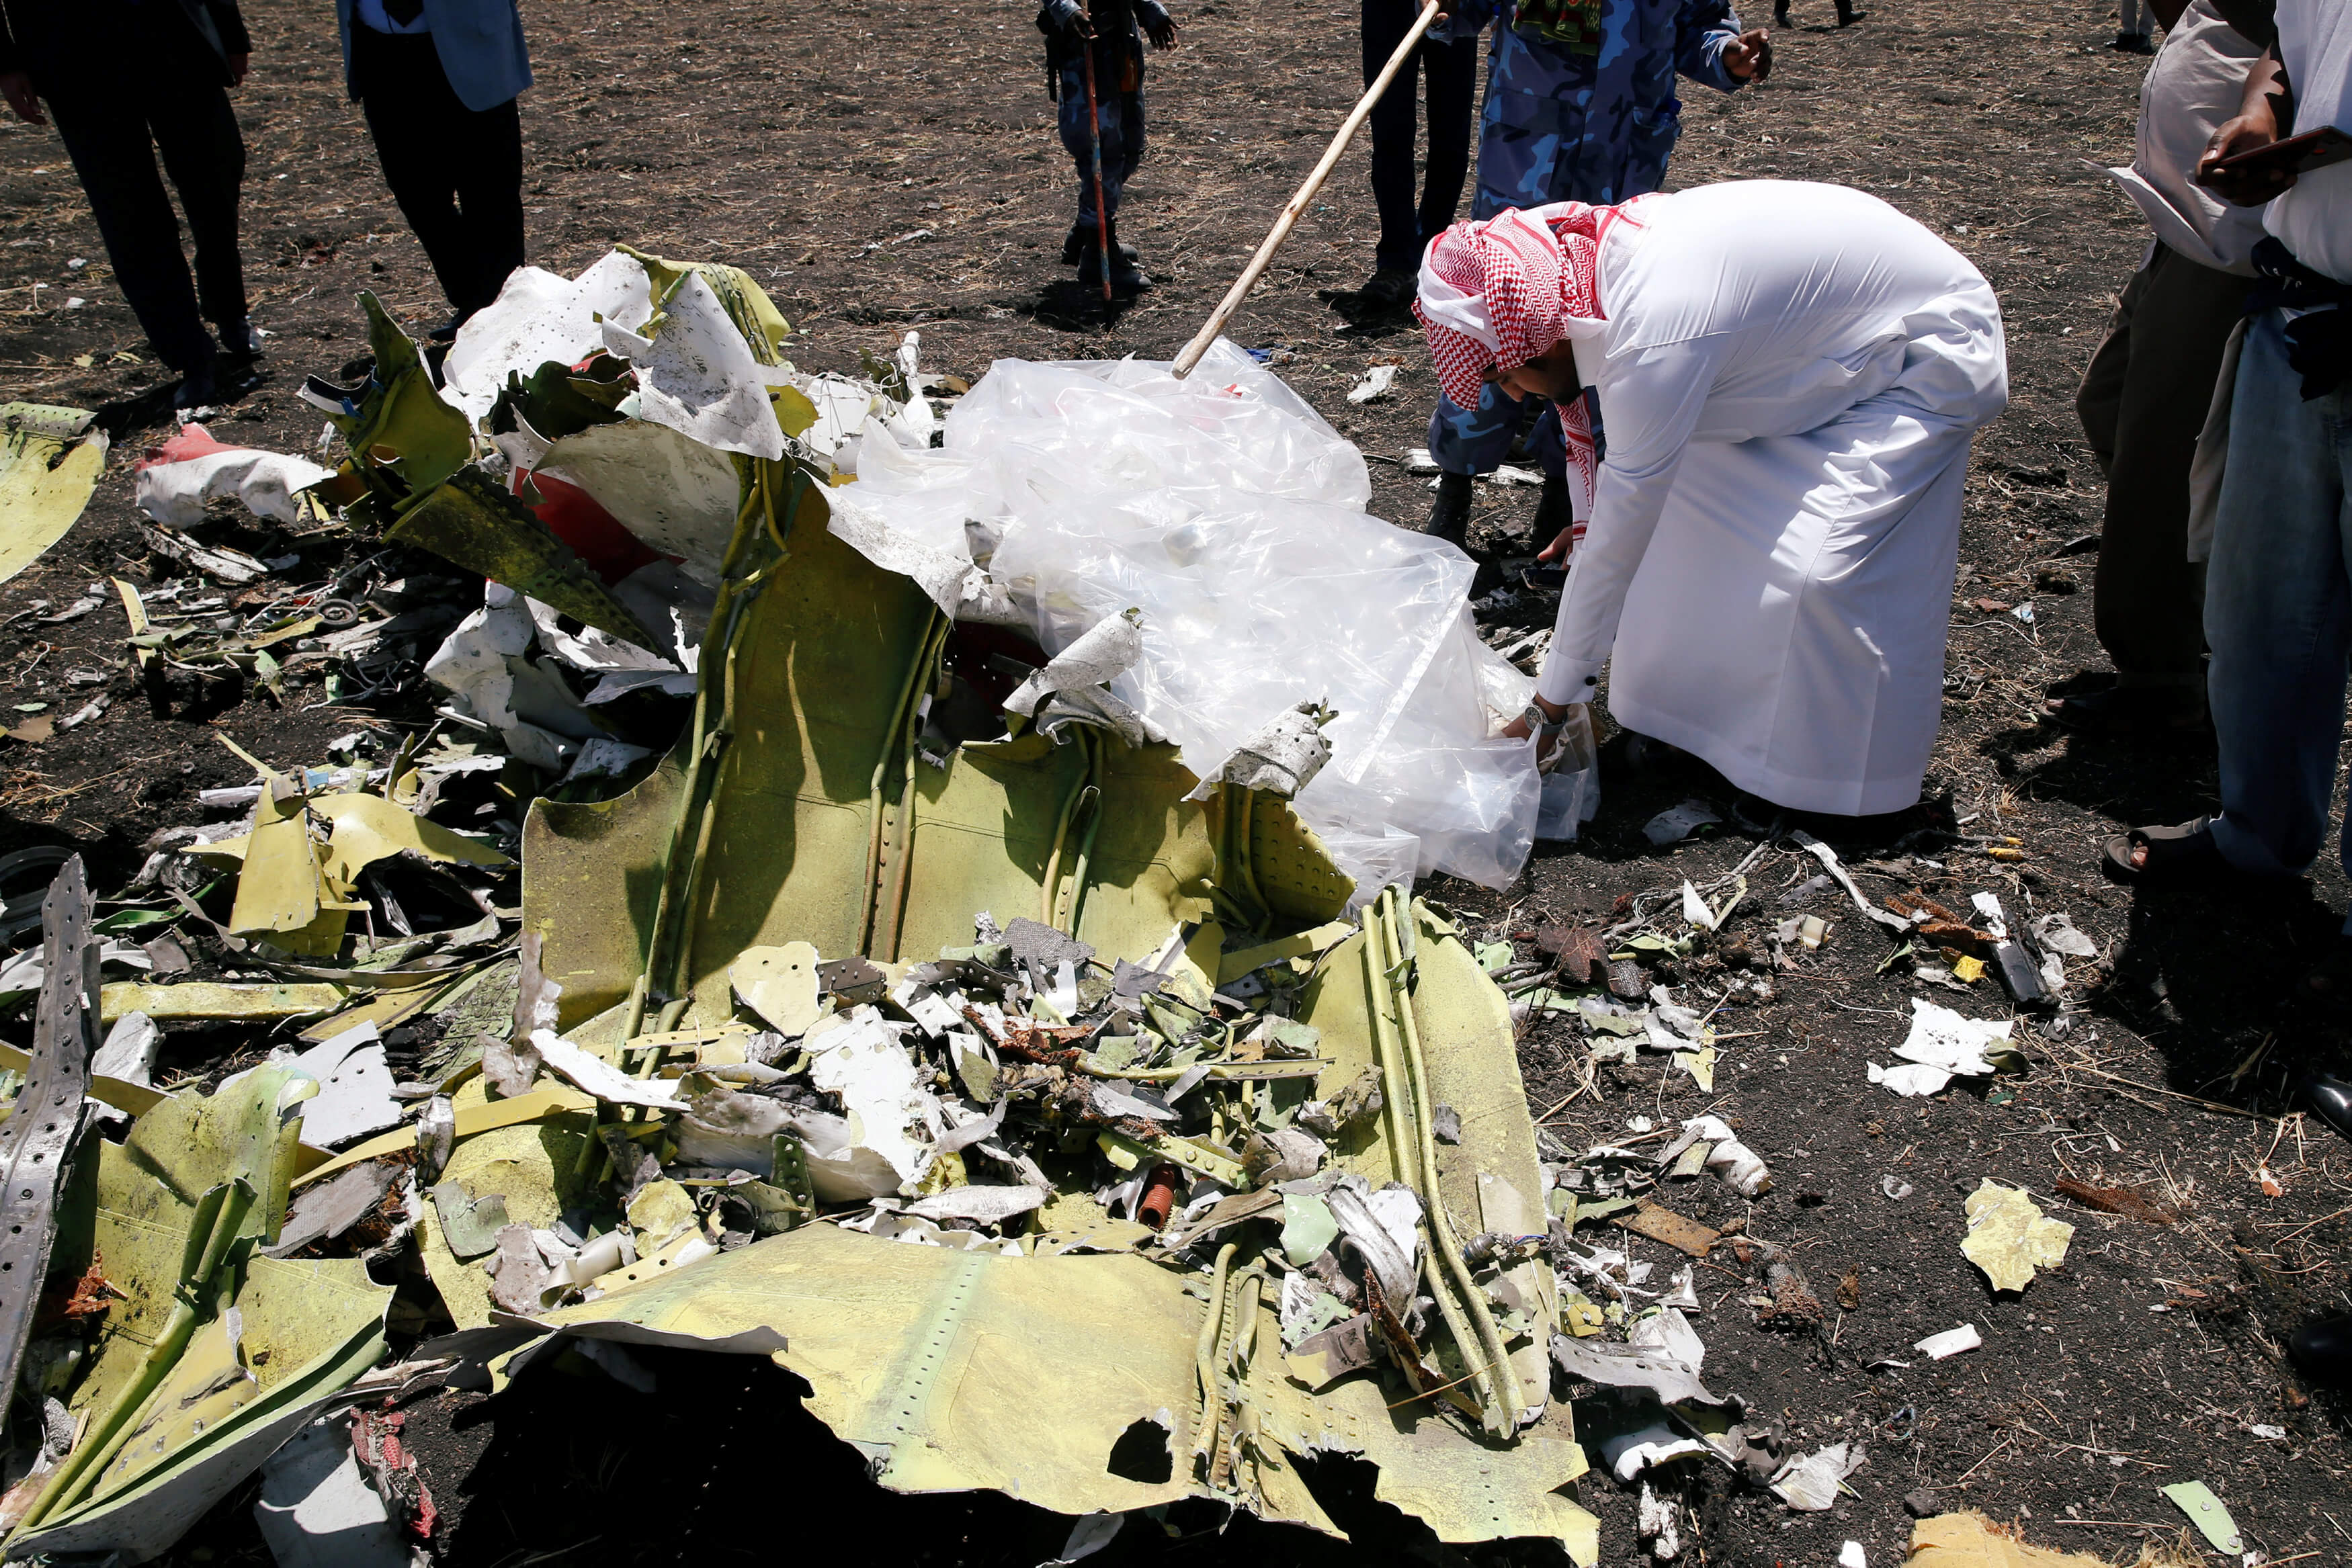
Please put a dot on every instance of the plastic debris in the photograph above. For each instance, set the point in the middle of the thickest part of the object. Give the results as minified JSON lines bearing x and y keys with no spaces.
{"x":1943,"y":1045}
{"x":1951,"y":1341}
{"x":1740,"y":1166}
{"x":1374,"y":385}
{"x":316,"y":1512}
{"x":1672,"y":827}
{"x":1809,"y":1483}
{"x":1071,"y":476}
{"x":177,"y":478}
{"x":2056,"y":933}
{"x":2009,"y":1236}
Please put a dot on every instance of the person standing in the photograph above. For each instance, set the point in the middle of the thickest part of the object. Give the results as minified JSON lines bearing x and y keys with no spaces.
{"x":2278,"y":601}
{"x":2146,"y":395}
{"x":1579,"y":107}
{"x":437,"y":80}
{"x":1449,"y":71}
{"x":1112,"y":32}
{"x":1791,"y":374}
{"x":126,"y":80}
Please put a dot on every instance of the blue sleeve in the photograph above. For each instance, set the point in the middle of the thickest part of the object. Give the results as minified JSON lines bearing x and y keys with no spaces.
{"x":1469,"y":18}
{"x":1703,"y":31}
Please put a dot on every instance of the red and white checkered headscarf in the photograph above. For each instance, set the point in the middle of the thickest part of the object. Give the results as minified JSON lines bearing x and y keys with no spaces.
{"x":1503,"y":291}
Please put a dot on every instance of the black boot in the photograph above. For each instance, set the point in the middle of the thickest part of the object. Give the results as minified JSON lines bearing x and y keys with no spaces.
{"x":2322,"y":1351}
{"x":1389,"y":287}
{"x":2330,"y":1099}
{"x":1073,"y":247}
{"x":199,"y":388}
{"x":1848,"y":16}
{"x":1780,"y":13}
{"x":1449,"y":519}
{"x":1126,"y":277}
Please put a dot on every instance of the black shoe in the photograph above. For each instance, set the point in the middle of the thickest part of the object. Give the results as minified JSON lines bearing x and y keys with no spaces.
{"x":1449,"y":519}
{"x":1073,"y":247}
{"x":1781,"y":14}
{"x":1388,"y":288}
{"x":2321,"y":1350}
{"x":2162,"y":710}
{"x":200,"y":388}
{"x":2134,"y":44}
{"x":447,"y":331}
{"x":1554,"y":516}
{"x":1848,"y":16}
{"x":2330,"y":1099}
{"x":1126,"y":277}
{"x":240,"y":341}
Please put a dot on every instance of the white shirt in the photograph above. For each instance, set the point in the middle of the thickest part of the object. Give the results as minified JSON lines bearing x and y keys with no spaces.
{"x":2197,"y":82}
{"x":2314,"y":217}
{"x":1758,"y":307}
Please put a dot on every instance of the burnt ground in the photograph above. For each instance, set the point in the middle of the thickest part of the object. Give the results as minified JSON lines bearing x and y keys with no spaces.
{"x":883,"y":168}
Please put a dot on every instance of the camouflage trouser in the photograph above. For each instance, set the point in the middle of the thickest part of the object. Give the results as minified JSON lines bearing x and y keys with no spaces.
{"x":1122,"y":137}
{"x":1533,"y":150}
{"x":1478,"y":440}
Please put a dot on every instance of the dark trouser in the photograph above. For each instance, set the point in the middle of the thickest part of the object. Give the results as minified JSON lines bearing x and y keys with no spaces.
{"x":2279,"y":611}
{"x":1450,"y":72}
{"x":113,"y":134}
{"x":1121,"y":115}
{"x":2142,"y":402}
{"x":456,"y":172}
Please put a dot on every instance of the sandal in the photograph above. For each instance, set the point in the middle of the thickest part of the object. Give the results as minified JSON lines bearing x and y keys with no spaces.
{"x":2182,"y":853}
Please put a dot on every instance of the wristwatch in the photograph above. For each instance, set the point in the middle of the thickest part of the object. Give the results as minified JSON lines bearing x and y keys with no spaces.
{"x":1536,"y":720}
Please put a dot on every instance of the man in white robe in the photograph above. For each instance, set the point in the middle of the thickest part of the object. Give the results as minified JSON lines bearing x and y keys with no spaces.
{"x":1790,"y":376}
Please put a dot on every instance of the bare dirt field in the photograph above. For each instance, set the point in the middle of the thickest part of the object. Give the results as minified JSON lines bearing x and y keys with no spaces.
{"x":881,"y":167}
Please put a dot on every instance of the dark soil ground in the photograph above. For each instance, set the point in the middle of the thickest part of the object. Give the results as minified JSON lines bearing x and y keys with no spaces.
{"x":889,"y":167}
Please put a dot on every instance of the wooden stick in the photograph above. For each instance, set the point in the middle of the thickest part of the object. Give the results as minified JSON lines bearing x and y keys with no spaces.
{"x":1094,"y":141}
{"x":1297,"y":204}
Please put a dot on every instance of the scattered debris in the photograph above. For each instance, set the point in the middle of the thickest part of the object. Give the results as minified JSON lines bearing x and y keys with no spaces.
{"x":50,"y":459}
{"x":1809,"y":1483}
{"x":1972,"y":1540}
{"x":2008,"y":1238}
{"x":2125,"y":1201}
{"x":2206,"y":1511}
{"x":1683,"y":822}
{"x":1951,"y":1341}
{"x":1374,"y":385}
{"x":177,"y":478}
{"x":1943,"y":1045}
{"x":315,"y":1511}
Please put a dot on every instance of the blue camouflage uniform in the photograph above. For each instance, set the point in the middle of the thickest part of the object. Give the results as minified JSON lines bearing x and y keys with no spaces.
{"x":1119,"y":91}
{"x":1591,"y":120}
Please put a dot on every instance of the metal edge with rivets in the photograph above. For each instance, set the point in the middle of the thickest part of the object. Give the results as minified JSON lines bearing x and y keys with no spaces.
{"x":38,"y":1139}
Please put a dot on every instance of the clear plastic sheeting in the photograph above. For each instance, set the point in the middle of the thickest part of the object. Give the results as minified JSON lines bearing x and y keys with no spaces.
{"x":1232,"y":516}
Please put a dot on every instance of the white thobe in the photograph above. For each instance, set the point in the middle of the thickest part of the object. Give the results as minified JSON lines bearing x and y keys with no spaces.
{"x":1790,"y":377}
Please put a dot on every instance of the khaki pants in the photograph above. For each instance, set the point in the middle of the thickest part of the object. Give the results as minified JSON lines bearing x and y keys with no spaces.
{"x":2142,"y":402}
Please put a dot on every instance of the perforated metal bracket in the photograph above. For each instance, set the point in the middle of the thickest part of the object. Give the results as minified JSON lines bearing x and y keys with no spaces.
{"x":39,"y":1134}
